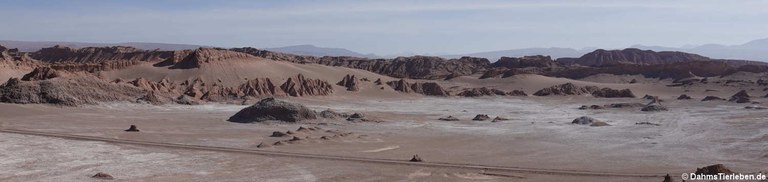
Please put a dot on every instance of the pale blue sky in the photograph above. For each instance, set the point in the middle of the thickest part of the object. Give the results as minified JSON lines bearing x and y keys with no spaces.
{"x":389,"y":27}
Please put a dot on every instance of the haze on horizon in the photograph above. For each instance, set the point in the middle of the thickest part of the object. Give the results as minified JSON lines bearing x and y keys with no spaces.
{"x":390,"y":27}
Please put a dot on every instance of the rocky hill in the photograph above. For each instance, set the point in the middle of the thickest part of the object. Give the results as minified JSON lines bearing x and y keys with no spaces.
{"x":602,"y":57}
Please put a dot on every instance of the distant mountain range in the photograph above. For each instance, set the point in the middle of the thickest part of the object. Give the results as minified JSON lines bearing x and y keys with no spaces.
{"x":554,"y":52}
{"x":31,"y":46}
{"x":756,"y":50}
{"x":311,"y":50}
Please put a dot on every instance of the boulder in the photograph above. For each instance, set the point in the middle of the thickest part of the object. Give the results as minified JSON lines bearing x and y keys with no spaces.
{"x":356,"y":117}
{"x":103,"y":176}
{"x":481,"y":117}
{"x":449,"y":118}
{"x":517,"y":93}
{"x":713,"y":170}
{"x":613,"y":93}
{"x":584,"y":120}
{"x":684,"y":97}
{"x":132,"y":128}
{"x":273,"y":109}
{"x":416,"y":158}
{"x":654,"y":108}
{"x":499,"y":119}
{"x":711,"y":98}
{"x":350,"y":82}
{"x":278,"y":134}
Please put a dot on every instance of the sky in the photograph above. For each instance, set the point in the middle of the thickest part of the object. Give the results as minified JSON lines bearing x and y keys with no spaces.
{"x":392,"y":26}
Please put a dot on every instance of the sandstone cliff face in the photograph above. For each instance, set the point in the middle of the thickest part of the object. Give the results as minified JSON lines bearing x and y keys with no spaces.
{"x":428,"y":88}
{"x":189,"y":59}
{"x":632,"y":56}
{"x":93,"y":59}
{"x":276,"y":55}
{"x":299,"y":86}
{"x":350,"y":82}
{"x":417,"y":67}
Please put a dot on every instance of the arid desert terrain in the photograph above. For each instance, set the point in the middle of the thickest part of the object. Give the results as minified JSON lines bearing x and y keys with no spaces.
{"x":245,"y":114}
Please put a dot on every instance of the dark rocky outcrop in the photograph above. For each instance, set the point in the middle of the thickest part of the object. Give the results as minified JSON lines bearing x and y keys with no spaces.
{"x":356,"y":117}
{"x":565,"y":89}
{"x":41,"y":73}
{"x":713,"y":170}
{"x":278,"y":134}
{"x":103,"y":176}
{"x":449,"y":118}
{"x":300,"y":86}
{"x":428,"y":88}
{"x":273,"y":109}
{"x":517,"y":93}
{"x":481,"y":117}
{"x":416,"y":158}
{"x":711,"y":98}
{"x":330,"y":114}
{"x":584,"y":120}
{"x":613,"y":93}
{"x":684,"y":97}
{"x":350,"y":82}
{"x":624,"y":105}
{"x":416,"y":67}
{"x":482,"y":91}
{"x":499,"y":119}
{"x":740,"y":97}
{"x":132,"y":128}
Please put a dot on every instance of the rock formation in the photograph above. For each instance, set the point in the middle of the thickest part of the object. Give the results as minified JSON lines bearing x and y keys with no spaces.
{"x":654,"y":108}
{"x":416,"y":158}
{"x":69,"y":92}
{"x":565,"y":89}
{"x":189,"y":59}
{"x":584,"y":120}
{"x":428,"y":88}
{"x":273,"y":109}
{"x":710,"y":98}
{"x":41,"y":73}
{"x":449,"y":118}
{"x":571,"y":89}
{"x":132,"y":128}
{"x":684,"y":97}
{"x":632,"y":56}
{"x":300,"y":86}
{"x":481,"y":117}
{"x":612,"y":93}
{"x":740,"y":97}
{"x":498,"y":119}
{"x":103,"y":176}
{"x":714,"y":170}
{"x":482,"y":91}
{"x":350,"y":82}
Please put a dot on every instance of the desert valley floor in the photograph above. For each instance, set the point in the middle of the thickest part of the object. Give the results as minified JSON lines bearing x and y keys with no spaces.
{"x":538,"y":135}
